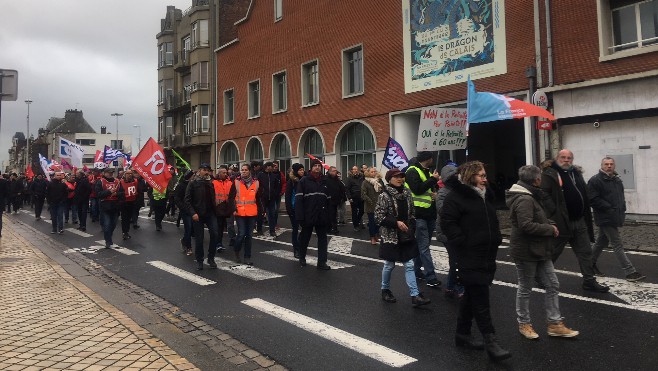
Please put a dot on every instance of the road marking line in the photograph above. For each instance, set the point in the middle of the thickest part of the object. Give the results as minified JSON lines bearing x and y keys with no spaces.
{"x":243,"y":270}
{"x":181,"y":273}
{"x":78,"y":232}
{"x":366,"y":347}
{"x":120,"y":249}
{"x":85,"y":250}
{"x":283,"y":254}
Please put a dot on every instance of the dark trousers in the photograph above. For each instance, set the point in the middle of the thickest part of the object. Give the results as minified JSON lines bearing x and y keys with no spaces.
{"x":83,"y":210}
{"x":1,"y":210}
{"x":221,"y":226}
{"x":475,"y":304}
{"x":305,"y":238}
{"x":171,"y":207}
{"x":209,"y":221}
{"x":187,"y":228}
{"x":357,"y":211}
{"x":245,"y":229}
{"x":260,"y":217}
{"x":109,"y":223}
{"x":580,"y":245}
{"x":38,"y":205}
{"x":71,"y":209}
{"x":95,"y":209}
{"x":136,"y":208}
{"x":159,"y":209}
{"x":272,"y":214}
{"x":16,"y":202}
{"x":295,"y":235}
{"x":333,"y":217}
{"x":57,"y":215}
{"x":127,"y":209}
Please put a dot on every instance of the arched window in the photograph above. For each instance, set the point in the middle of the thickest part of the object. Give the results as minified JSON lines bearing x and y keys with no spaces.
{"x":357,"y":147}
{"x":313,"y":145}
{"x":230,"y":155}
{"x":254,"y":150}
{"x":281,"y":153}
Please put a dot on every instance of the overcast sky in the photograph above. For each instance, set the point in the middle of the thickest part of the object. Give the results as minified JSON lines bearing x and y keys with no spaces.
{"x":97,"y":56}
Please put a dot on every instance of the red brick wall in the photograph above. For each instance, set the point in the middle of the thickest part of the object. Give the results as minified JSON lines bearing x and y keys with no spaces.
{"x":321,"y":29}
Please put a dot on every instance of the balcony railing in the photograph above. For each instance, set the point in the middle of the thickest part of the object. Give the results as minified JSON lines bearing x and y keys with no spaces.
{"x":182,"y":59}
{"x":200,"y":86}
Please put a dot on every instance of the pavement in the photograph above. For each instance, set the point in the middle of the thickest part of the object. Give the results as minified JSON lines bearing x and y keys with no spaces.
{"x":56,"y":314}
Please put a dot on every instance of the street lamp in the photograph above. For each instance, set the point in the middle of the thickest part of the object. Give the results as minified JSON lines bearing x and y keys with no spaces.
{"x":117,"y":116}
{"x":139,"y":137}
{"x":29,"y":159}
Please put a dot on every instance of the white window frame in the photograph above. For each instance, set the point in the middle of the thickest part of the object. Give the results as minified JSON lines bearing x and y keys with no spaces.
{"x":161,"y":92}
{"x":187,"y":126}
{"x":250,"y":106}
{"x":346,"y":55}
{"x":275,"y":92}
{"x":205,"y":118}
{"x":606,"y":35}
{"x":278,"y":10}
{"x":229,"y":120}
{"x":305,"y":83}
{"x":195,"y":120}
{"x":161,"y":129}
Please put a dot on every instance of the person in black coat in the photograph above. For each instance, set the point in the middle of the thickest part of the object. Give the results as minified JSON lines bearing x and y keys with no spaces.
{"x":336,"y":190}
{"x":57,"y":193}
{"x":15,"y":193}
{"x":353,"y":191}
{"x":81,"y":198}
{"x":270,"y":194}
{"x":186,"y":217}
{"x":3,"y":197}
{"x":311,"y":211}
{"x":468,"y":219}
{"x":200,"y":204}
{"x":38,"y":188}
{"x":294,"y":175}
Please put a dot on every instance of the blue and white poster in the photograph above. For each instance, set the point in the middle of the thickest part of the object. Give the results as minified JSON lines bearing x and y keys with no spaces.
{"x":445,"y":41}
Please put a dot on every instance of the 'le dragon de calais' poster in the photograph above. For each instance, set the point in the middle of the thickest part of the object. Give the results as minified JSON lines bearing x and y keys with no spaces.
{"x":447,"y":40}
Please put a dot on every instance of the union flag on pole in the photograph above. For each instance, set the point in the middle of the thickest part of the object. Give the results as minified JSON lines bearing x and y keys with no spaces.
{"x":486,"y":107}
{"x":151,"y":164}
{"x":325,"y":166}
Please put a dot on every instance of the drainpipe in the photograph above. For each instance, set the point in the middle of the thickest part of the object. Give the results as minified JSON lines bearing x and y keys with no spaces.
{"x":538,"y":60}
{"x":549,"y":42}
{"x":531,"y":74}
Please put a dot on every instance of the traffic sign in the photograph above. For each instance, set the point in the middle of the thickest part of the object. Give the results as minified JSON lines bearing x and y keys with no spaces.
{"x":8,"y":85}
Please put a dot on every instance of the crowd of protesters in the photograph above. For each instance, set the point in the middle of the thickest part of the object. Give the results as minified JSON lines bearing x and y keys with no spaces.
{"x":549,"y":207}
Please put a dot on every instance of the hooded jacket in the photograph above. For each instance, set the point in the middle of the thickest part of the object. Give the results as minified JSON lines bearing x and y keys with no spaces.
{"x":532,"y":231}
{"x":471,"y":227}
{"x":606,"y":194}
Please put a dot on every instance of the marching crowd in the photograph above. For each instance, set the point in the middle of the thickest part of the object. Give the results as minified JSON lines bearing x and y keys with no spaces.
{"x":549,"y":207}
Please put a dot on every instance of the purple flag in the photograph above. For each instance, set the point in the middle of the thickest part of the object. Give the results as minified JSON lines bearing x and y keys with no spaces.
{"x":394,"y":156}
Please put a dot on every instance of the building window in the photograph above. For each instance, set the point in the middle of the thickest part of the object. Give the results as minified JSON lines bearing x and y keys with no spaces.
{"x":200,"y":33}
{"x":310,"y":81}
{"x":229,"y":154}
{"x":161,"y":92}
{"x":188,"y":124}
{"x":353,"y":71}
{"x":278,"y":10}
{"x":195,"y":118}
{"x":357,"y":147}
{"x":281,"y":150}
{"x":161,"y":129}
{"x":229,"y":112}
{"x":313,"y":145}
{"x":254,"y":99}
{"x":166,"y":55}
{"x":627,"y":27}
{"x":205,"y":119}
{"x":169,"y":91}
{"x":169,"y":126}
{"x":203,"y":75}
{"x":187,"y":46}
{"x":254,"y":150}
{"x":86,"y":142}
{"x":279,"y":92}
{"x":117,"y":144}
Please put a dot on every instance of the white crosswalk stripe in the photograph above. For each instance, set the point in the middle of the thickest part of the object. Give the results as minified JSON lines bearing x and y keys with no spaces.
{"x":181,"y":273}
{"x":78,"y":232}
{"x":309,"y":259}
{"x":246,"y":271}
{"x":118,"y":248}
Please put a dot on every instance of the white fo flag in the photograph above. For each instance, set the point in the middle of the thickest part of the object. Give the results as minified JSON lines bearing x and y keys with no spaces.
{"x":71,"y":150}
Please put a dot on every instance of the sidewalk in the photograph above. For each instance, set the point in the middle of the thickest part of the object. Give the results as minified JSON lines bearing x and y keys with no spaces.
{"x":52,"y":321}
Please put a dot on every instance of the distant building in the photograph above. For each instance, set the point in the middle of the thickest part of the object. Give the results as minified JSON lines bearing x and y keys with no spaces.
{"x":17,"y":153}
{"x":186,"y":81}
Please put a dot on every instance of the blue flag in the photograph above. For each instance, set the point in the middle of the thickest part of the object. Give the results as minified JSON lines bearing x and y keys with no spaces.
{"x":394,"y":156}
{"x":110,"y":154}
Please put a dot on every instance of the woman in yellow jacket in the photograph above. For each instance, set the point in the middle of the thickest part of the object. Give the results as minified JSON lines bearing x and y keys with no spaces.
{"x":247,"y":192}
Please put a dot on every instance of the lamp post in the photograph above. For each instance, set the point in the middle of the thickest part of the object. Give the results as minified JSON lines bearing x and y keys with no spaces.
{"x":139,"y":137}
{"x":117,"y":134}
{"x":28,"y":157}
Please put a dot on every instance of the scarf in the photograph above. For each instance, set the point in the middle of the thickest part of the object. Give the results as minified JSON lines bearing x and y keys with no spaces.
{"x":375,"y":183}
{"x":246,"y":181}
{"x":481,"y":192}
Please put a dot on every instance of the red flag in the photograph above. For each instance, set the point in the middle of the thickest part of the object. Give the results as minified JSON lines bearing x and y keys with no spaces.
{"x":85,"y":169}
{"x":151,"y":164}
{"x":28,"y":172}
{"x":325,"y":166}
{"x":99,"y":156}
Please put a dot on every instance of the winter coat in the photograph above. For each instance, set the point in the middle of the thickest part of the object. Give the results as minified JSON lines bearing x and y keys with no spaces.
{"x":200,"y":197}
{"x":15,"y":187}
{"x":471,"y":226}
{"x":419,"y":187}
{"x":369,"y":195}
{"x":555,"y":204}
{"x":269,"y":186}
{"x":387,"y":216}
{"x":291,"y":191}
{"x":606,"y":195}
{"x":532,"y":231}
{"x":353,"y":186}
{"x":38,"y":187}
{"x":449,"y":184}
{"x":336,"y":190}
{"x":4,"y":191}
{"x":56,"y":192}
{"x":179,"y":194}
{"x":312,"y":201}
{"x":82,"y":190}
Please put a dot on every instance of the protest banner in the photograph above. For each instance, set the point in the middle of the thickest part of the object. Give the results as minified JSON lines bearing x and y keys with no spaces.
{"x":442,"y":129}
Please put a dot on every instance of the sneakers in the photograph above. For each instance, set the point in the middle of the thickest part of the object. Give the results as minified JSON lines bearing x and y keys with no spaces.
{"x":212,"y":264}
{"x":302,"y":262}
{"x":388,"y":297}
{"x":61,"y":231}
{"x":417,"y":301}
{"x":126,"y":236}
{"x":559,"y":329}
{"x":597,"y":272}
{"x":433,"y":282}
{"x":453,"y":294}
{"x":221,"y":248}
{"x":189,"y":251}
{"x":526,"y":330}
{"x":135,"y":226}
{"x":238,"y":259}
{"x":595,"y":286}
{"x":636,"y":276}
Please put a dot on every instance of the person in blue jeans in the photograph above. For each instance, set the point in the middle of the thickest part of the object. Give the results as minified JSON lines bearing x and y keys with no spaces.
{"x":423,"y":185}
{"x":294,"y":175}
{"x":393,"y":211}
{"x":56,"y":195}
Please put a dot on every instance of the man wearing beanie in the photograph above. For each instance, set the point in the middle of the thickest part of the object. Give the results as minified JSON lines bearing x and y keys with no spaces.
{"x":353,"y":190}
{"x":422,"y":185}
{"x":312,"y":211}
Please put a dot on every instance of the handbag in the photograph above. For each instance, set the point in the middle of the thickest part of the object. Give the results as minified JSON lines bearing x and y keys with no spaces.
{"x":408,"y":237}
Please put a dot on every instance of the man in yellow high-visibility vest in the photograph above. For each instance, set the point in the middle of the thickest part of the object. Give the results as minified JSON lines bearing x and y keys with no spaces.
{"x":422,"y":185}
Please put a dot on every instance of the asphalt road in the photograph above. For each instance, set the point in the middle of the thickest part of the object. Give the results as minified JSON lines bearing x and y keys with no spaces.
{"x":307,"y":319}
